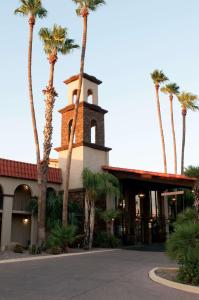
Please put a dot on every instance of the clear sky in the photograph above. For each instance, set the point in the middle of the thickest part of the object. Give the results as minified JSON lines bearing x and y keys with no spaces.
{"x":127,"y":40}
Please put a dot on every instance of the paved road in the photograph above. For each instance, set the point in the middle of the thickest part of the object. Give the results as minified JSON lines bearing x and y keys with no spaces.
{"x":117,"y":275}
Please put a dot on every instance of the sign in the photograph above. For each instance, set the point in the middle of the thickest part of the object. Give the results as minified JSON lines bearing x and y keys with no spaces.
{"x":172,"y":193}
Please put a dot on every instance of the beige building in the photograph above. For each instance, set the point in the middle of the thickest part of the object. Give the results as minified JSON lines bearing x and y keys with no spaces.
{"x":18,"y":180}
{"x":141,"y":190}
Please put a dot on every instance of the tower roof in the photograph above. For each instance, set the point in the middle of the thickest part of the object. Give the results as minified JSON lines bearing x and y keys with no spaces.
{"x":86,"y":76}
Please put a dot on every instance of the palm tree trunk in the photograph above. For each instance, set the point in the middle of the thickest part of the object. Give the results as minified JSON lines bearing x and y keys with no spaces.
{"x":70,"y":146}
{"x":50,"y":95}
{"x":31,"y":98}
{"x":87,"y":210}
{"x":92,"y":224}
{"x":173,"y":134}
{"x":184,"y":112}
{"x":161,"y":128}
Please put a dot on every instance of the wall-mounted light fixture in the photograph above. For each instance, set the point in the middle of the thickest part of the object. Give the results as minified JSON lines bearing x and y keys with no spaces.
{"x":25,"y":221}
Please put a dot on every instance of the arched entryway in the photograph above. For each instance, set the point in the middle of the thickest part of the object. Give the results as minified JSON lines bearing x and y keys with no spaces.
{"x":21,"y":215}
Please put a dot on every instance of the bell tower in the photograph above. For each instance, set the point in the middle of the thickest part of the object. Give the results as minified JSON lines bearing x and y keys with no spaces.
{"x":89,"y":149}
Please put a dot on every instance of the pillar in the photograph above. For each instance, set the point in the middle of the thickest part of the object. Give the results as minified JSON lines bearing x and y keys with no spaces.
{"x":6,"y":222}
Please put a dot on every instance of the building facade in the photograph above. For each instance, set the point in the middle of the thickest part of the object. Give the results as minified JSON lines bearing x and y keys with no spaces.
{"x":18,"y":180}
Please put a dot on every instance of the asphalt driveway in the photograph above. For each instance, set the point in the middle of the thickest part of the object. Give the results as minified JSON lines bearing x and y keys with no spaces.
{"x":116,"y":275}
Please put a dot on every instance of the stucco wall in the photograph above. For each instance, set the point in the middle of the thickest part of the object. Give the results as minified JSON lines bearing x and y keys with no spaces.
{"x":86,"y":85}
{"x":76,"y":167}
{"x":9,"y":185}
{"x":82,"y":157}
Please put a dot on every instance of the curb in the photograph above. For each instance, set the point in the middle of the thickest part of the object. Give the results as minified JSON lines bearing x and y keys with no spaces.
{"x":179,"y":286}
{"x":43,"y":257}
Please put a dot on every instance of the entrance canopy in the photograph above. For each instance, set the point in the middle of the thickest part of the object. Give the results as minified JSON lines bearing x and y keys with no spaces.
{"x":151,"y":180}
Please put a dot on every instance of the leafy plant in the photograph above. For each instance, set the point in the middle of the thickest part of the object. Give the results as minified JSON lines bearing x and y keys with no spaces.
{"x":110,"y":214}
{"x":183,"y":246}
{"x":63,"y":237}
{"x":105,"y":240}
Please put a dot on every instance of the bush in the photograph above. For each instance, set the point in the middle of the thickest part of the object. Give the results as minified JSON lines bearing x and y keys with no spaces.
{"x":62,"y":236}
{"x":183,"y":246}
{"x":106,"y":240}
{"x":55,"y":250}
{"x":18,"y":248}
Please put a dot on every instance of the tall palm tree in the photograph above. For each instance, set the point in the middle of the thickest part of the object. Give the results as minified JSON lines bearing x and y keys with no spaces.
{"x":172,"y":89}
{"x":55,"y":41}
{"x":96,"y":185}
{"x":158,"y":78}
{"x":187,"y":101}
{"x":32,"y":9}
{"x":83,"y":9}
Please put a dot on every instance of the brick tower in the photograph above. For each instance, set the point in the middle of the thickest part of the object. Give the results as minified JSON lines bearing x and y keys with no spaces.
{"x":89,"y":149}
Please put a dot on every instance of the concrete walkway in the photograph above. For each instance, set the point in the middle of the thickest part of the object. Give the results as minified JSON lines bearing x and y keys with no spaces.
{"x":116,"y":275}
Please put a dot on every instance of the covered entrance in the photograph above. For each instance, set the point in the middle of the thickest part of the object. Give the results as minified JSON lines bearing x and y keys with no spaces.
{"x":149,"y":204}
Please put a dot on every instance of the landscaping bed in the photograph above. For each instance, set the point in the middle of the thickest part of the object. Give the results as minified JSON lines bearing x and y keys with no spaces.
{"x":169,"y":274}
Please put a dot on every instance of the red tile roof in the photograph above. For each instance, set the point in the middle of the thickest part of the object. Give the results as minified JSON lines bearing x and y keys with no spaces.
{"x":148,"y":173}
{"x":18,"y":169}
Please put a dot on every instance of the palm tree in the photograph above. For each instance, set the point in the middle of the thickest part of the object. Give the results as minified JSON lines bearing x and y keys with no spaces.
{"x":187,"y":101}
{"x":96,"y":185}
{"x":83,"y":9}
{"x":172,"y":89}
{"x":32,"y":9}
{"x":158,"y":78}
{"x":55,"y":41}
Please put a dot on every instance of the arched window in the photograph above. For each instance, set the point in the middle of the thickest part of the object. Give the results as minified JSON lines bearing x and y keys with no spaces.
{"x":1,"y":198}
{"x":22,"y":198}
{"x":93,"y":132}
{"x":74,"y":96}
{"x":90,"y":96}
{"x":69,"y":131}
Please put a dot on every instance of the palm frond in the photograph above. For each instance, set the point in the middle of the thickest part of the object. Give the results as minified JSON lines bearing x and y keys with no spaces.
{"x":55,"y":40}
{"x":171,"y":89}
{"x":189,"y":101}
{"x":31,"y":8}
{"x":91,"y":5}
{"x":158,"y":76}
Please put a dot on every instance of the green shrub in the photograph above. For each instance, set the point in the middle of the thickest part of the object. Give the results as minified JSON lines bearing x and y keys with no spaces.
{"x":55,"y":250}
{"x":183,"y":246}
{"x":18,"y":248}
{"x":105,"y":240}
{"x":62,"y":236}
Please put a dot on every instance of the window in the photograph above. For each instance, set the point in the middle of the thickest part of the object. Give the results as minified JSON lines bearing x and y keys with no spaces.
{"x":90,"y":96}
{"x":69,"y":131}
{"x":93,"y":132}
{"x":74,"y":96}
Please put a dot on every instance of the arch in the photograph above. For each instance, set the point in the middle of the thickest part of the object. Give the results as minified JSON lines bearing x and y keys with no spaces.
{"x":93,"y":132}
{"x":90,"y":96}
{"x":70,"y":123}
{"x":74,"y":96}
{"x":22,"y":198}
{"x":1,"y":197}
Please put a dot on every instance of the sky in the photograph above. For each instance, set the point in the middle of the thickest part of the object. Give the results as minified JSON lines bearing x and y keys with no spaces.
{"x":127,"y":40}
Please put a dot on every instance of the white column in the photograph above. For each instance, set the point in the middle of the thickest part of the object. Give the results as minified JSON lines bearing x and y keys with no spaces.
{"x":6,"y":222}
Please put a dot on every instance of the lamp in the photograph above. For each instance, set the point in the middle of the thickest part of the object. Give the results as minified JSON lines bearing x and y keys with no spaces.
{"x":25,"y":221}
